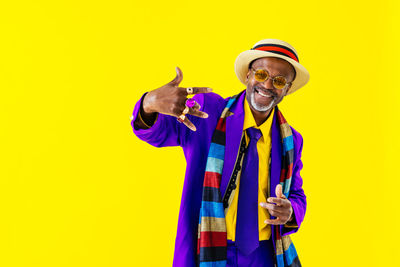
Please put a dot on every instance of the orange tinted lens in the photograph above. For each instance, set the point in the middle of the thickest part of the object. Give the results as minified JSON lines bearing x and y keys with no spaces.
{"x":279,"y":82}
{"x":261,"y":75}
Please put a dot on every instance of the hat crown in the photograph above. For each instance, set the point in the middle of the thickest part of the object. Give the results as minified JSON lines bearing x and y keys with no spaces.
{"x":275,"y":41}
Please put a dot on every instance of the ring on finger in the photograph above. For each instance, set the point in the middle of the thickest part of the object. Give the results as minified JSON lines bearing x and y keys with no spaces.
{"x":190,"y":102}
{"x":189,"y":90}
{"x":186,"y":110}
{"x":182,"y":117}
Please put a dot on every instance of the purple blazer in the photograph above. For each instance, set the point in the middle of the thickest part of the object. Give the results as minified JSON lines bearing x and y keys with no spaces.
{"x":167,"y":131}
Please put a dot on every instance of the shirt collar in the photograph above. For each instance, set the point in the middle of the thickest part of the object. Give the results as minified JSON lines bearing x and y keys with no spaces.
{"x":249,"y":120}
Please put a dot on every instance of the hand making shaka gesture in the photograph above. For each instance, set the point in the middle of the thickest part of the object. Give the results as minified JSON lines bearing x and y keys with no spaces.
{"x":172,"y":100}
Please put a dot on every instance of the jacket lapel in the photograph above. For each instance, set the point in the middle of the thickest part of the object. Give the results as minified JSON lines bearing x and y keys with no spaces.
{"x":234,"y":129}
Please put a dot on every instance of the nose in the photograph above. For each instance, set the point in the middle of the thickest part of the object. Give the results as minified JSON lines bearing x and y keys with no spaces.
{"x":268,"y":84}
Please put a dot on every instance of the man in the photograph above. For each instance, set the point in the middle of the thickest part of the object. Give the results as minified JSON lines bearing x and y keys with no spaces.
{"x":242,"y":194}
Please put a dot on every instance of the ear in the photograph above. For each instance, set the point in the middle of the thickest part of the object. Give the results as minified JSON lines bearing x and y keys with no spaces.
{"x":247,"y":76}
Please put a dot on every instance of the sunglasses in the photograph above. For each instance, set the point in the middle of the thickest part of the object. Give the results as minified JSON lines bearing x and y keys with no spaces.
{"x":261,"y":75}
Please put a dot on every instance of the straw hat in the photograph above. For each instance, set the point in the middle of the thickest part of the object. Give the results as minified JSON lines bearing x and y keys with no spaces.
{"x":272,"y":48}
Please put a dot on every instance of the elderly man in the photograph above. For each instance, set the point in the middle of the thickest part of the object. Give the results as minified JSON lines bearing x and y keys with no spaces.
{"x":242,"y":194}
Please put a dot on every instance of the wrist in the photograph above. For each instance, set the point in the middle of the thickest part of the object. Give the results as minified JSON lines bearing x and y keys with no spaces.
{"x":146,"y":104}
{"x":291,"y":219}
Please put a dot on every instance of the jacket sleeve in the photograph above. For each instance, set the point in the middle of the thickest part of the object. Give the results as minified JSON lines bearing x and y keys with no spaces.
{"x":296,"y":195}
{"x":166,"y":131}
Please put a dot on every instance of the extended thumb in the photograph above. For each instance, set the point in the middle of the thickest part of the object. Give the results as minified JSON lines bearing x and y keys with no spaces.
{"x":278,"y":191}
{"x":178,"y":77}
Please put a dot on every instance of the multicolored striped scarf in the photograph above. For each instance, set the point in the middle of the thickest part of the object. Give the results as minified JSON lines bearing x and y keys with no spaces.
{"x":212,"y":235}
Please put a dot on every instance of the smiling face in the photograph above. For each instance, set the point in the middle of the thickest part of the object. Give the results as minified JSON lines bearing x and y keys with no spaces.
{"x":263,"y":96}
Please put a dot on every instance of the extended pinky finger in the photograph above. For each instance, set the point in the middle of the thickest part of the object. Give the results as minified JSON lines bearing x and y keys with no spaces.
{"x":188,"y":123}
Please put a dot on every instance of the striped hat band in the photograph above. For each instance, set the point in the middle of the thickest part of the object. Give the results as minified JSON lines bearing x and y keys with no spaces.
{"x":277,"y":49}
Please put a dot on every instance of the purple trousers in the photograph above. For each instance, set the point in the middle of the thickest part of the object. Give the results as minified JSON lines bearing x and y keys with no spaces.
{"x":263,"y":256}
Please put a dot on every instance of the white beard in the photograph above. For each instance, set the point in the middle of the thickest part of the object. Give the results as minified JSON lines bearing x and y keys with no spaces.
{"x":260,"y":107}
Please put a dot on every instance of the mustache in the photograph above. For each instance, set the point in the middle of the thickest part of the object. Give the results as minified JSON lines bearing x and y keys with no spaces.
{"x":260,"y":88}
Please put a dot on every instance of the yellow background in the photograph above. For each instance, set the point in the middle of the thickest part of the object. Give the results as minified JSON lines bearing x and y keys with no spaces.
{"x":78,"y":188}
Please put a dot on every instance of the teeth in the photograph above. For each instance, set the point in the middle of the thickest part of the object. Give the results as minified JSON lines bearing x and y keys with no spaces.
{"x":262,"y":94}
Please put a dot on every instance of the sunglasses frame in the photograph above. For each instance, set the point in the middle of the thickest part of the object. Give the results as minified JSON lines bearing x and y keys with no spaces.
{"x":269,"y":77}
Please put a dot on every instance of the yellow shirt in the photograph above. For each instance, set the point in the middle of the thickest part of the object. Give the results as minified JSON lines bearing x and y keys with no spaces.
{"x":263,"y":148}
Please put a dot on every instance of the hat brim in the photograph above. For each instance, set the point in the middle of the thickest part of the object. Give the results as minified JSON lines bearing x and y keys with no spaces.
{"x":243,"y":60}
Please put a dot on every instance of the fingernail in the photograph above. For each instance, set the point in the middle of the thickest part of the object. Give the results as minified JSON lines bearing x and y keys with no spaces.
{"x":209,"y":89}
{"x":205,"y":115}
{"x":269,"y":199}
